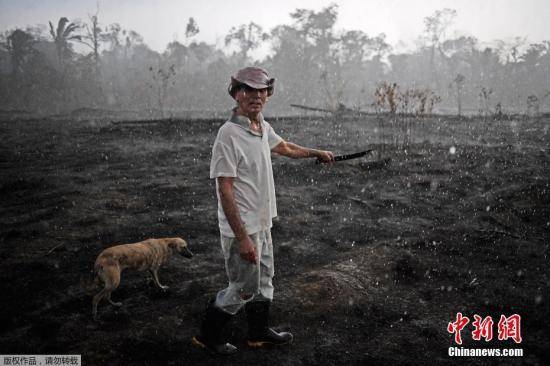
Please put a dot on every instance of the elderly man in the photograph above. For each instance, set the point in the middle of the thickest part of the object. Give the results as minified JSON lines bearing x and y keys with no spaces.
{"x":241,"y":165}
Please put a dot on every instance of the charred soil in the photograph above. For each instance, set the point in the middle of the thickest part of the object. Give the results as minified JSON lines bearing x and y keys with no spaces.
{"x":374,"y":257}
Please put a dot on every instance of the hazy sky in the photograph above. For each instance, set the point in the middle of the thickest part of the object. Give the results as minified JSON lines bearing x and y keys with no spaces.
{"x":162,"y":21}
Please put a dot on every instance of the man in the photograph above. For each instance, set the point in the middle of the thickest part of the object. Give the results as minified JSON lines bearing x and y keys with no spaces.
{"x":241,"y":165}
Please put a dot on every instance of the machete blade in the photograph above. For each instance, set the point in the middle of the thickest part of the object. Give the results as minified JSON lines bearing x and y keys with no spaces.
{"x":349,"y":156}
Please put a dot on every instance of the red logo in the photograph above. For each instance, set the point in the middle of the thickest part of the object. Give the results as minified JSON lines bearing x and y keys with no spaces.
{"x":457,"y":326}
{"x":508,"y":327}
{"x":483,"y":329}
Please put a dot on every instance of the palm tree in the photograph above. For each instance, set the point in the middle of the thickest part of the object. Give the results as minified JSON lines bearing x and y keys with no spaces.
{"x":61,"y":37}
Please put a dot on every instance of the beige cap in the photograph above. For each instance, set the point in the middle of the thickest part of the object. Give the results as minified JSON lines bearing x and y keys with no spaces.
{"x":254,"y":77}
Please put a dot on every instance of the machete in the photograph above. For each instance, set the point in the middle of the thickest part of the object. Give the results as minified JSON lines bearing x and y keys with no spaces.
{"x":349,"y":156}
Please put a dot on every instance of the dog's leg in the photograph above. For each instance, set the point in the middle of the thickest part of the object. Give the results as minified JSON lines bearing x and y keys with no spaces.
{"x":101,"y":294}
{"x":111,"y":278}
{"x":117,"y":304}
{"x":154,"y":273}
{"x":97,"y":298}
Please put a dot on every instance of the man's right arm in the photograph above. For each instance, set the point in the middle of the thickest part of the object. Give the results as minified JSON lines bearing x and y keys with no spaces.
{"x":227,"y":199}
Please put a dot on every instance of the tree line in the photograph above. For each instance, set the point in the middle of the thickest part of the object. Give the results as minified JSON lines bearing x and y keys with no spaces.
{"x":314,"y":63}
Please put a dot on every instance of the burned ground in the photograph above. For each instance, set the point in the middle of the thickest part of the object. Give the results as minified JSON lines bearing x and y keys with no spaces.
{"x":373,"y":260}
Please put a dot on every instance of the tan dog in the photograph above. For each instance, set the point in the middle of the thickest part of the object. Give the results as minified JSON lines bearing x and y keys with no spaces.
{"x":149,"y":255}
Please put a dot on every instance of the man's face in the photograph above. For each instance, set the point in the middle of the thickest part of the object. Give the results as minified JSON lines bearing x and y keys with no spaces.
{"x":251,"y":100}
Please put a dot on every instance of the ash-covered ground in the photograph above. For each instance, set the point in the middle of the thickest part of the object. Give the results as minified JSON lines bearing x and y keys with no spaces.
{"x":374,"y":257}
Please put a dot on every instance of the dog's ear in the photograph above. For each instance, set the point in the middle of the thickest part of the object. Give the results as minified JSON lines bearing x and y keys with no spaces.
{"x":179,"y":243}
{"x":173,"y":245}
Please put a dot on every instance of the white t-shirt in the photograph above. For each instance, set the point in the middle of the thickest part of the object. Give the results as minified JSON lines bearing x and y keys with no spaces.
{"x":245,"y":154}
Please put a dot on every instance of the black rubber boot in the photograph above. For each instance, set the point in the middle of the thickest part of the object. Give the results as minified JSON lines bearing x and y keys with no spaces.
{"x":259,"y":332}
{"x":211,"y":328}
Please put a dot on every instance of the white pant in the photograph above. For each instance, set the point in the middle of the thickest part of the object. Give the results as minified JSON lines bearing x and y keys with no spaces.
{"x":247,"y":281}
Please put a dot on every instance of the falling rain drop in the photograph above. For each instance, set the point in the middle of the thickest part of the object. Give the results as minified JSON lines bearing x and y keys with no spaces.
{"x":519,"y":273}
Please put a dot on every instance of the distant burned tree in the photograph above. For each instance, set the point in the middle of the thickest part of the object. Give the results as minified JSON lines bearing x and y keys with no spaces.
{"x":334,"y":90}
{"x":112,"y":36}
{"x":386,"y":97}
{"x":509,"y":51}
{"x":406,"y":109}
{"x":533,"y":105}
{"x":405,"y":100}
{"x":484,"y":101}
{"x":162,"y":79}
{"x":93,"y":38}
{"x":386,"y":100}
{"x":509,"y":56}
{"x":132,"y":39}
{"x":435,"y":27}
{"x":433,"y":99}
{"x":379,"y":102}
{"x":426,"y":101}
{"x":498,"y":110}
{"x":422,"y":101}
{"x":192,"y":29}
{"x":458,"y":83}
{"x":247,"y":36}
{"x":391,"y":97}
{"x":414,"y":105}
{"x":120,"y":40}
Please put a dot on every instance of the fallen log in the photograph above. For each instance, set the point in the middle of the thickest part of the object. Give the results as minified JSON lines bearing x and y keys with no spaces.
{"x":311,"y":108}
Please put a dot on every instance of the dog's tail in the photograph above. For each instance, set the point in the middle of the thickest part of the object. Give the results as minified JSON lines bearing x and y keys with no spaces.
{"x":90,"y":284}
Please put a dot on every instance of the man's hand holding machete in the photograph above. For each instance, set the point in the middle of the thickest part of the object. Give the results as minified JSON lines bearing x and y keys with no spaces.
{"x":345,"y":157}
